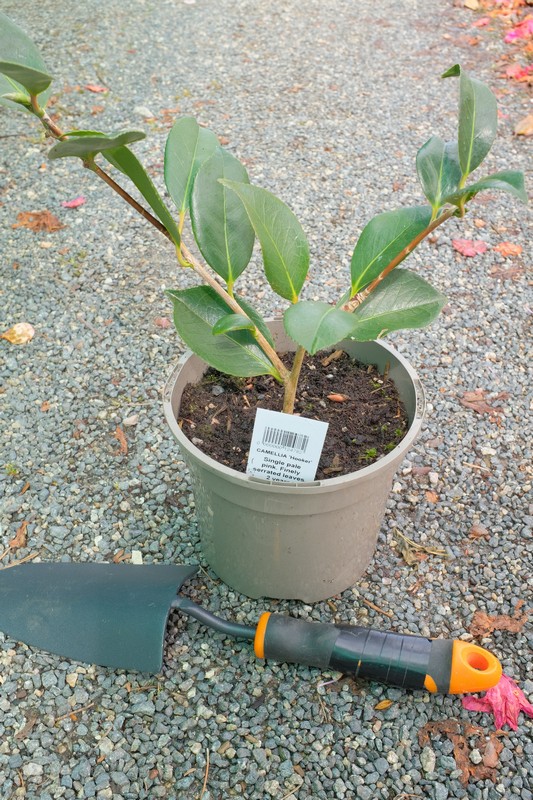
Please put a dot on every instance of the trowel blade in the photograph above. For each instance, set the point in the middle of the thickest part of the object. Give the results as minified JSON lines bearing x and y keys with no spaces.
{"x":113,"y":615}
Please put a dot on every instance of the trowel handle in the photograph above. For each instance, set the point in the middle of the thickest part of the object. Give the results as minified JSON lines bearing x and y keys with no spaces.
{"x":412,"y":662}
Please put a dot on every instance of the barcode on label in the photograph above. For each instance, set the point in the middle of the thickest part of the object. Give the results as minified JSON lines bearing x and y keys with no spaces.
{"x":285,"y":439}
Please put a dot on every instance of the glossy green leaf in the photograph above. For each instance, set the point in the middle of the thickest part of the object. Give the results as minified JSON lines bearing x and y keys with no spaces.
{"x":33,"y":80}
{"x":401,"y":300}
{"x":505,"y":181}
{"x":20,"y":99}
{"x":196,"y":311}
{"x":256,"y":318}
{"x":316,"y":325}
{"x":283,"y":242}
{"x":478,"y":119}
{"x":383,"y":239}
{"x":188,"y":146}
{"x":87,"y":146}
{"x":233,"y":322}
{"x":221,"y":226}
{"x":439,"y":171}
{"x":25,"y":69}
{"x":129,"y":164}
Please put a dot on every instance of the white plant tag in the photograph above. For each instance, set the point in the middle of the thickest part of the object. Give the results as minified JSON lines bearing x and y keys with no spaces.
{"x":285,"y":447}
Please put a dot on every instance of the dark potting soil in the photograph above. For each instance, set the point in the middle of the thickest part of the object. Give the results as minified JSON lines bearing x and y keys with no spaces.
{"x":365,"y":415}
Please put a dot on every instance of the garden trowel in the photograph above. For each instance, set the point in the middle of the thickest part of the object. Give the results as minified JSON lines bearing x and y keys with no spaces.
{"x":115,"y":615}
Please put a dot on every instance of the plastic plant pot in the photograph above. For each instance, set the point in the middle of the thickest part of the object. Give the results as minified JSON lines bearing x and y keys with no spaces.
{"x":306,"y":541}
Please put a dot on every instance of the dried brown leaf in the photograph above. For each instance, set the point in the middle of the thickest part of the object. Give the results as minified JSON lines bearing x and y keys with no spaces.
{"x":121,"y":438}
{"x":21,"y":333}
{"x":483,"y":624}
{"x":382,"y":705}
{"x":38,"y":221}
{"x":525,"y":126}
{"x":20,"y":538}
{"x":478,"y":532}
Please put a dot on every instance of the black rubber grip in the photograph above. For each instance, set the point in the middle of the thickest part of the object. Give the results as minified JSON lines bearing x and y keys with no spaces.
{"x":393,"y":658}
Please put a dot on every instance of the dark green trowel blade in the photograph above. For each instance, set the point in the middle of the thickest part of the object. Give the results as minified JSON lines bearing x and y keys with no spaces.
{"x":109,"y":614}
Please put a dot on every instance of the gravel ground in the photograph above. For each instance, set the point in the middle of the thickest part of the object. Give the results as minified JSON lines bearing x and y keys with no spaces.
{"x":327,"y":103}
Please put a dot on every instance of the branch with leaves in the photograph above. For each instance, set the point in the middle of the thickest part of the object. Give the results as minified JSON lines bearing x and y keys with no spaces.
{"x":228,"y":214}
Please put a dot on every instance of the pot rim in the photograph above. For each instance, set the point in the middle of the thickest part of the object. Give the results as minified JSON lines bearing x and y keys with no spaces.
{"x":365,"y":473}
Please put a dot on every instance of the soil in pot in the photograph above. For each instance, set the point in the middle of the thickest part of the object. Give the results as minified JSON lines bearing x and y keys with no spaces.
{"x":365,"y":415}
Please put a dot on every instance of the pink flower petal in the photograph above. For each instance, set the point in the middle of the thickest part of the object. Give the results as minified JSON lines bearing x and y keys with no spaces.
{"x":505,"y":701}
{"x":78,"y":201}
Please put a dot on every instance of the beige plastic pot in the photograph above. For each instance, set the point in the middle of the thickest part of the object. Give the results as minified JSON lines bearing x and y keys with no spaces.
{"x":306,"y":541}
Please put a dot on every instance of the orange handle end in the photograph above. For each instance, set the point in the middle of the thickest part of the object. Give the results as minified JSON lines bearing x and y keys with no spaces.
{"x":473,"y":669}
{"x":260,"y":631}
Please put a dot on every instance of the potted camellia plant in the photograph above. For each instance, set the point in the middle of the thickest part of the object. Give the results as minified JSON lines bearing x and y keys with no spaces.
{"x":268,"y":525}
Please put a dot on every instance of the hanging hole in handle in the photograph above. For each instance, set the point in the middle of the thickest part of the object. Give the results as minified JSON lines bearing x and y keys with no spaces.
{"x":477,"y":661}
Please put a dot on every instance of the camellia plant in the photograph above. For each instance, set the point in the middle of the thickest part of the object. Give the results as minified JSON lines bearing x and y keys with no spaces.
{"x":227,"y":213}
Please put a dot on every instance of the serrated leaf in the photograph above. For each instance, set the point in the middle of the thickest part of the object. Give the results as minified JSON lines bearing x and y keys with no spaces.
{"x":85,"y":146}
{"x":33,"y":80}
{"x":283,"y":243}
{"x":196,"y":311}
{"x":232,"y":322}
{"x":317,"y":325}
{"x":401,"y":300}
{"x":478,"y":120}
{"x":187,"y":147}
{"x":18,"y":51}
{"x":221,"y":226}
{"x":129,"y":164}
{"x":383,"y":239}
{"x":439,"y":171}
{"x":505,"y":181}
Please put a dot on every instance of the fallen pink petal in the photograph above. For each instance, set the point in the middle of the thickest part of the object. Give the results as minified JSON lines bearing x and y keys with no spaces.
{"x":469,"y":248}
{"x":521,"y":31}
{"x":505,"y":700}
{"x":76,"y":203}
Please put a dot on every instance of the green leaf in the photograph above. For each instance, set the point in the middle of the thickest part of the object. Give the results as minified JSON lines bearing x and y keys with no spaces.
{"x":505,"y":181}
{"x":316,"y":325}
{"x":196,"y":312}
{"x":401,"y":300}
{"x":20,"y":98}
{"x":129,"y":164}
{"x":24,"y":70}
{"x":85,"y":146}
{"x":383,"y":239}
{"x":478,"y":120}
{"x":33,"y":80}
{"x":188,"y":146}
{"x":283,"y":242}
{"x":221,"y":226}
{"x":232,"y":322}
{"x":439,"y":171}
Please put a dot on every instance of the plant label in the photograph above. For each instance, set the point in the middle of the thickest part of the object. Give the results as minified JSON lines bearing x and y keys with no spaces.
{"x":285,"y":447}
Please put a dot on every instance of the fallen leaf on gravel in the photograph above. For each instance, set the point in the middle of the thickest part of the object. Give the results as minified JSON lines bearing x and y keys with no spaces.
{"x":76,"y":203}
{"x":481,"y":22}
{"x":483,"y":624}
{"x":382,"y":705}
{"x":477,"y":401}
{"x":522,"y":31}
{"x":473,"y":5}
{"x":525,"y":126}
{"x":123,"y":442}
{"x":162,"y":322}
{"x":505,"y":701}
{"x":468,"y":247}
{"x":413,"y":551}
{"x":38,"y":221}
{"x":478,"y":532}
{"x":458,"y":733}
{"x":93,"y":87}
{"x":504,"y":273}
{"x":20,"y":538}
{"x":508,"y":249}
{"x":25,"y":731}
{"x":518,"y":72}
{"x":21,"y":333}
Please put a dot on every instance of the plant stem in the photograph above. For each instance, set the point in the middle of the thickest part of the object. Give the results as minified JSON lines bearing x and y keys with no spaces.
{"x":236,"y":308}
{"x":358,"y":299}
{"x":200,"y":270}
{"x":292,"y":384}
